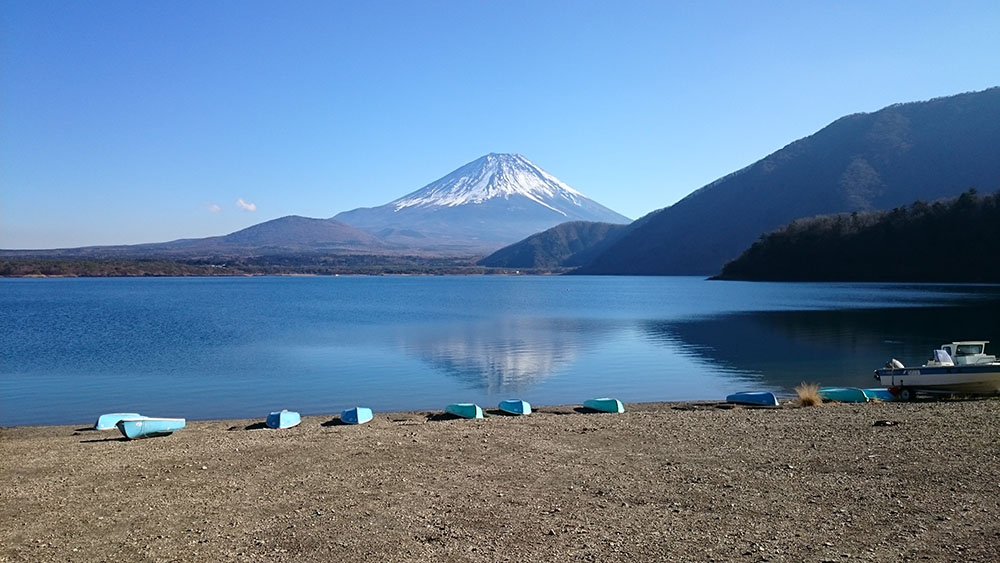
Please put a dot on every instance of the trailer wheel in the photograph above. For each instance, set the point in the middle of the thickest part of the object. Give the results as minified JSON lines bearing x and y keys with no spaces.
{"x":907,"y":394}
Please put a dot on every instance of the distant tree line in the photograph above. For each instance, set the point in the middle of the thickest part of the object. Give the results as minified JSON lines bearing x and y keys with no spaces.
{"x":311,"y":264}
{"x":956,"y":240}
{"x":65,"y":267}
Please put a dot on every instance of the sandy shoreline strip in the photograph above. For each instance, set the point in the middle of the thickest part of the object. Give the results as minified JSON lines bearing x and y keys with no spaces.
{"x":661,"y":482}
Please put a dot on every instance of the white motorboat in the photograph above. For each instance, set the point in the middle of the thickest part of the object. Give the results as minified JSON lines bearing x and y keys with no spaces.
{"x":956,"y":368}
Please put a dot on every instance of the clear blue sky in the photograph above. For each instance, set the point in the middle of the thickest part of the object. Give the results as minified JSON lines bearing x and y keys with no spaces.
{"x":127,"y":122}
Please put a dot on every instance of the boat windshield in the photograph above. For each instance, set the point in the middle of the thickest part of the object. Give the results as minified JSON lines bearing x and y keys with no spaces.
{"x":969,"y":349}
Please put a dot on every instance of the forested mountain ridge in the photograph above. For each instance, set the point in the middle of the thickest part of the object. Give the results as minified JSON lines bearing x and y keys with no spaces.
{"x":563,"y":246}
{"x":867,"y":161}
{"x":957,"y":240}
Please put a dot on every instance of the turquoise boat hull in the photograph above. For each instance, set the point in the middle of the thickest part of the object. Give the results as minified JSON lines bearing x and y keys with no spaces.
{"x":604,"y":405}
{"x":464,"y":410}
{"x":759,"y":398}
{"x":357,"y":415}
{"x":879,"y":394}
{"x":283,"y":419}
{"x":110,"y":420}
{"x":515,"y":406}
{"x":147,"y":427}
{"x":843,"y":394}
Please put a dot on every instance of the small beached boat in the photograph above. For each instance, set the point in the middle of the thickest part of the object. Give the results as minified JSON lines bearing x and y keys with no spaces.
{"x":879,"y":395}
{"x":759,"y":398}
{"x":957,"y":368}
{"x":843,"y":394}
{"x":604,"y":404}
{"x":356,"y":415}
{"x":110,"y":420}
{"x":149,"y":427}
{"x":515,"y":406}
{"x":464,"y":410}
{"x":283,"y":419}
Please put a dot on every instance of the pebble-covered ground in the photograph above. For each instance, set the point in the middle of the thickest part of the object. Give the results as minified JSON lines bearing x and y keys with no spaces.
{"x":661,"y":482}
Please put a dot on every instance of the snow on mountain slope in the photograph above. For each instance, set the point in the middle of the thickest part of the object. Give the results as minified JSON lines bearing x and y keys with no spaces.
{"x":494,"y":175}
{"x":492,"y":201}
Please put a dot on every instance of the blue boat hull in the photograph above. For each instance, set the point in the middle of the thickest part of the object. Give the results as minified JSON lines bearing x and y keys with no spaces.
{"x":604,"y":405}
{"x":283,"y":419}
{"x":515,"y":406}
{"x":110,"y":420}
{"x":464,"y":410}
{"x":843,"y":394}
{"x":759,"y":398}
{"x":879,"y":394}
{"x":133,"y":428}
{"x":357,"y":415}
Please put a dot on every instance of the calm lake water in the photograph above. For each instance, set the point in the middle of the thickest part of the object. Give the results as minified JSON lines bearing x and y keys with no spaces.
{"x":200,"y":348}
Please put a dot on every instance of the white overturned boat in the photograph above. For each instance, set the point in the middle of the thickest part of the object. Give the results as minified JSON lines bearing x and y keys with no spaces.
{"x":959,"y":367}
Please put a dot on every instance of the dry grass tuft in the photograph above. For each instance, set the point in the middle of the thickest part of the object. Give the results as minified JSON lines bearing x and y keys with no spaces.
{"x":809,"y":394}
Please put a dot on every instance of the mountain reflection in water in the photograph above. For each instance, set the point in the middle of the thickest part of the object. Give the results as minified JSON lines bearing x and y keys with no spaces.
{"x":504,"y":356}
{"x":834,"y":347}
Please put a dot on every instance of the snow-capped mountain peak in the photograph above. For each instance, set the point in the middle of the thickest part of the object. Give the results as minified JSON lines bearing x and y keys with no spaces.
{"x":490,"y":202}
{"x":493,"y":176}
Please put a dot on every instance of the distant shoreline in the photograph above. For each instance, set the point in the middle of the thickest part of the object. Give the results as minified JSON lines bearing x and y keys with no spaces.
{"x":67,"y":267}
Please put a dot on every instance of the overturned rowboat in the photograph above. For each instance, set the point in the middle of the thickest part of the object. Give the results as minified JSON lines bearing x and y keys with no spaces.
{"x":464,"y":410}
{"x":110,"y":420}
{"x":149,"y":427}
{"x":356,"y":415}
{"x":515,"y":406}
{"x":283,"y":419}
{"x":843,"y":394}
{"x":755,"y":398}
{"x":604,"y":404}
{"x":879,"y":394}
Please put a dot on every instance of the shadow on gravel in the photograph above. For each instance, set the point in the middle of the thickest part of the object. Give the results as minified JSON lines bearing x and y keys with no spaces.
{"x":122,"y":439}
{"x":498,"y":412}
{"x":334,"y":422}
{"x":432,"y":417}
{"x":254,"y":426}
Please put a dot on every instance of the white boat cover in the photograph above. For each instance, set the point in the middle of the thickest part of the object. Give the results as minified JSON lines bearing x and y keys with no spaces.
{"x":942,"y":357}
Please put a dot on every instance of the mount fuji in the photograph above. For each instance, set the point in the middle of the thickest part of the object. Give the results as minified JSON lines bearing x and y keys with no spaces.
{"x":485,"y":205}
{"x":490,"y":202}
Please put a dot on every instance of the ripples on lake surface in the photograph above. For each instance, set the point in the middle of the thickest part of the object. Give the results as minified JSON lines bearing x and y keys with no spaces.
{"x":241,"y":347}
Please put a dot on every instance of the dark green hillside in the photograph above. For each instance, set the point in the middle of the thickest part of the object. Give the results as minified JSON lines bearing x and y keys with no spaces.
{"x":863,"y":162}
{"x":563,"y":246}
{"x":950,"y":241}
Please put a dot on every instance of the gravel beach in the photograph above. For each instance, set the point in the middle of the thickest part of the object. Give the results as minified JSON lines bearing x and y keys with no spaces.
{"x":661,"y":482}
